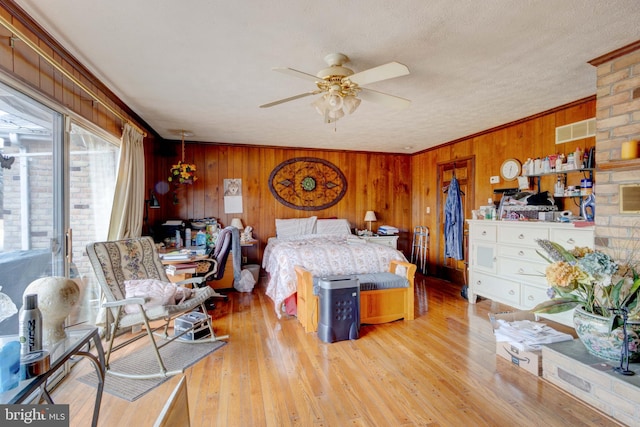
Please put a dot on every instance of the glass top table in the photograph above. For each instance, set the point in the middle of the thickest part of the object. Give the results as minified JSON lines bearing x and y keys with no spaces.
{"x":77,"y":344}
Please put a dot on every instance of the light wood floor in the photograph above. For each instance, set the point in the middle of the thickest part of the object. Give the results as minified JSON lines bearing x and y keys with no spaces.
{"x":438,"y":370}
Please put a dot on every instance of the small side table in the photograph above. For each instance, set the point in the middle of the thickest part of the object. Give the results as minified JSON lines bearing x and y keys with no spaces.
{"x":78,"y":338}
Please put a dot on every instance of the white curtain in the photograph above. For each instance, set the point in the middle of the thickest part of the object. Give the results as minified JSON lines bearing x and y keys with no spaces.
{"x":128,"y":201}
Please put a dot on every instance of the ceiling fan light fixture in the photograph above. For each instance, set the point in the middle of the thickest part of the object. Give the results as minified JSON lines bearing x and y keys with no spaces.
{"x":321,"y":105}
{"x":334,"y":101}
{"x":350,"y":104}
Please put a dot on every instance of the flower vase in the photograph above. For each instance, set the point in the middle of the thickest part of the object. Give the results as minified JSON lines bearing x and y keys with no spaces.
{"x":595,"y":333}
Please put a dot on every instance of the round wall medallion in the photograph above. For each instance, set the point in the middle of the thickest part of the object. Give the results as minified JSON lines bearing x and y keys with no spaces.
{"x":307,"y":183}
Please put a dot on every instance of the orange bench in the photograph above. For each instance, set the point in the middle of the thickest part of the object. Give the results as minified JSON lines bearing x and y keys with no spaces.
{"x":376,"y":306}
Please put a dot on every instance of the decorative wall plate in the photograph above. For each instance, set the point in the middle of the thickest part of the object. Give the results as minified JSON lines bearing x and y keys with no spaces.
{"x":307,"y":183}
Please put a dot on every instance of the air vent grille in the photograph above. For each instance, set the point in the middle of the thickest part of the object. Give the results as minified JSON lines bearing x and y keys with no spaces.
{"x":575,"y":131}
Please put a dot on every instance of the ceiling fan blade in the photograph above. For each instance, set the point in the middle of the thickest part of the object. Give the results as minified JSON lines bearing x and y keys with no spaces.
{"x":291,"y":98}
{"x":296,"y":73}
{"x":385,"y":99}
{"x":382,"y":72}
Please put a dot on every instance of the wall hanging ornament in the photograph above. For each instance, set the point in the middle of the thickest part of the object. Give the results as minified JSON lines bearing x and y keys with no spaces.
{"x":307,"y":183}
{"x":183,"y":173}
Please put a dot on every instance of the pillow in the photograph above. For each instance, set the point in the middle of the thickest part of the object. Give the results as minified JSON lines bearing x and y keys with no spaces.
{"x":295,"y":227}
{"x":333,"y":226}
{"x":156,"y":291}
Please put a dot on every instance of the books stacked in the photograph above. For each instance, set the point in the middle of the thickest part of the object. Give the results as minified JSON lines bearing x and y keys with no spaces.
{"x":176,"y":256}
{"x":177,"y":269}
{"x":387,"y":230}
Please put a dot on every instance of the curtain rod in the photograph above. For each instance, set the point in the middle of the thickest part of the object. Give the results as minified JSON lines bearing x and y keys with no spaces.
{"x":68,"y":75}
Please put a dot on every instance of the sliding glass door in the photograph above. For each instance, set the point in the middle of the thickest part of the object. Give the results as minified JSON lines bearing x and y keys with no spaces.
{"x":31,"y":226}
{"x":56,"y":191}
{"x":93,"y":162}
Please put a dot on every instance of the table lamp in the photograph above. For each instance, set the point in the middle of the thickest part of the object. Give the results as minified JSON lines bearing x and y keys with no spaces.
{"x":369,"y":217}
{"x":237,"y":223}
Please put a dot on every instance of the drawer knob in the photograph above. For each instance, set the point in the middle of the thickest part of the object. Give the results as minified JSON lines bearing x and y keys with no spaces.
{"x":484,"y":233}
{"x":521,"y":271}
{"x":512,"y":292}
{"x":521,"y":253}
{"x":571,"y":241}
{"x":530,"y":298}
{"x":521,"y":236}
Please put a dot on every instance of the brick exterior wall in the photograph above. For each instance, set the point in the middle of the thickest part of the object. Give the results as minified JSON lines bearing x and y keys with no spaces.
{"x":618,"y":120}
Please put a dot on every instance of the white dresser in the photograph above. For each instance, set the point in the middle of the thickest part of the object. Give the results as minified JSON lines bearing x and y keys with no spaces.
{"x":383,"y":240}
{"x":505,"y":267}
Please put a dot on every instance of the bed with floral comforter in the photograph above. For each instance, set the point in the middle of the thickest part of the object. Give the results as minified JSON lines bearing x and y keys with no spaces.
{"x":322,"y":255}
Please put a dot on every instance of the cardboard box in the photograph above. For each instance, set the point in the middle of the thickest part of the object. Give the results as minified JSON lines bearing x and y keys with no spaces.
{"x":511,"y":316}
{"x":530,"y":361}
{"x":194,"y":319}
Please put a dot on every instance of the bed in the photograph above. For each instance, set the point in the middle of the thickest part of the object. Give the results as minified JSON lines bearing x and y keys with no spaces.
{"x":323,"y":247}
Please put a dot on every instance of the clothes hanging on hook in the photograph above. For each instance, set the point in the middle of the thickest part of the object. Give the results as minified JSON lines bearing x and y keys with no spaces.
{"x":454,"y":222}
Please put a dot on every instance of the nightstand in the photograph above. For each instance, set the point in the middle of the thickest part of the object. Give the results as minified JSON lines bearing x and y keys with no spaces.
{"x":383,"y":240}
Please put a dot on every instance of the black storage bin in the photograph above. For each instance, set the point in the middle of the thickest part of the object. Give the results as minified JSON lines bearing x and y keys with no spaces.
{"x":339,"y":300}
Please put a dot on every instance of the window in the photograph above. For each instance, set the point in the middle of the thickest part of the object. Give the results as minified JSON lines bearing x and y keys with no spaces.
{"x":47,"y":188}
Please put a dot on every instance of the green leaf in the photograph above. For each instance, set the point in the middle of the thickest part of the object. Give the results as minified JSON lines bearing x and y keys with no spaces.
{"x":544,"y":256}
{"x":556,"y":305}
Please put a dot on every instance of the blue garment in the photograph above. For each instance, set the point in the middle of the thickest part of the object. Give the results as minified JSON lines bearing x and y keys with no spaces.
{"x":453,"y":222}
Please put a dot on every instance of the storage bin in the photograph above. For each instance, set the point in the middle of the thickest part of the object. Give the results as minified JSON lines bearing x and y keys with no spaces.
{"x":339,"y":298}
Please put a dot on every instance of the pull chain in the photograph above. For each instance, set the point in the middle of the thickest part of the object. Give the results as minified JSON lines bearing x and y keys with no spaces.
{"x":183,"y":146}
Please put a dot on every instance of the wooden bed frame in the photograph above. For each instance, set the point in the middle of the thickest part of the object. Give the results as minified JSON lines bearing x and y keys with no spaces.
{"x":379,"y":306}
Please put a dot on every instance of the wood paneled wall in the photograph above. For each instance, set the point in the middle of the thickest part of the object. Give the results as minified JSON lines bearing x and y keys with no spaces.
{"x":527,"y":138}
{"x":379,"y":182}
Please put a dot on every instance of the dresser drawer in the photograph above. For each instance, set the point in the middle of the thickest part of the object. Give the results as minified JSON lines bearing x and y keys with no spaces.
{"x":525,"y":270}
{"x":496,"y":288}
{"x":524,"y":253}
{"x":570,"y":238}
{"x":532,"y":296}
{"x":522,"y":235}
{"x":486,"y":232}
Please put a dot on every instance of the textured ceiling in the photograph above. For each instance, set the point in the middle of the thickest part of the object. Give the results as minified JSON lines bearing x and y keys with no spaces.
{"x":205,"y":65}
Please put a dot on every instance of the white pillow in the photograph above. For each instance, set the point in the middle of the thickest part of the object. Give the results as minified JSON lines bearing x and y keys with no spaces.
{"x":295,"y":227}
{"x":333,"y":226}
{"x":155,"y":291}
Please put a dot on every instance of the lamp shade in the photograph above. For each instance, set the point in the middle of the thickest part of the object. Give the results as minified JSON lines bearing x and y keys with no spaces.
{"x":237,"y":223}
{"x":370,"y":216}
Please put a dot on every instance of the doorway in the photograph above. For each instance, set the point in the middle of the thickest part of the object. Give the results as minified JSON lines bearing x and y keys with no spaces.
{"x":463,"y":169}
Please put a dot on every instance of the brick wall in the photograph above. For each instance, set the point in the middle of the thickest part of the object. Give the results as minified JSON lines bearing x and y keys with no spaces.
{"x":618,"y":120}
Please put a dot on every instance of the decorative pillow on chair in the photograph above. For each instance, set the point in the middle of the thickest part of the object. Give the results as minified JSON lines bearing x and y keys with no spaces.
{"x":155,"y":291}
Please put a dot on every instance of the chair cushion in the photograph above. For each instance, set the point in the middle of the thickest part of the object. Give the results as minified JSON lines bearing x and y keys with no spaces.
{"x":199,"y":296}
{"x":385,"y":280}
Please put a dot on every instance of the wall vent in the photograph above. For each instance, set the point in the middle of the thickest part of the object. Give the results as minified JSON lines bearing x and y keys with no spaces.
{"x":575,"y":131}
{"x":630,"y":198}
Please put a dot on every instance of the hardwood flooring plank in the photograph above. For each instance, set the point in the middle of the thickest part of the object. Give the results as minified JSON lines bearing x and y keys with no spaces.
{"x":438,"y":370}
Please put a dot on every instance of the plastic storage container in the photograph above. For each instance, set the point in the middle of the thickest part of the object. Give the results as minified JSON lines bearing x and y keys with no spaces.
{"x":339,"y":298}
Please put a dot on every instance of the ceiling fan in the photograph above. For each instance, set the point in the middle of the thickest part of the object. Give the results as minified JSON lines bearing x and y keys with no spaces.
{"x":342,"y":90}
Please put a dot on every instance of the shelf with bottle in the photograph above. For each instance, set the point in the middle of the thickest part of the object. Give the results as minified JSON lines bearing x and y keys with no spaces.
{"x":561,"y":172}
{"x":578,"y":192}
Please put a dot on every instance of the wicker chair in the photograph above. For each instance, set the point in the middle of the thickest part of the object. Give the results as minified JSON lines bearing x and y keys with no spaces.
{"x":134,"y":259}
